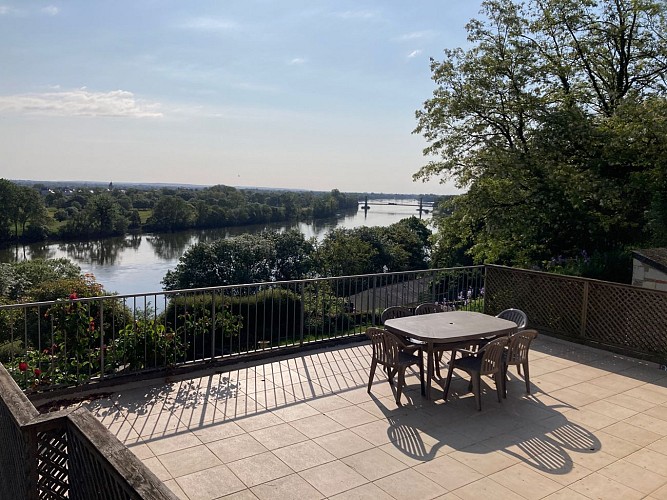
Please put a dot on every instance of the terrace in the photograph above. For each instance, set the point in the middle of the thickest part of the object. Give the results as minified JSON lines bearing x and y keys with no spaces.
{"x":295,"y":422}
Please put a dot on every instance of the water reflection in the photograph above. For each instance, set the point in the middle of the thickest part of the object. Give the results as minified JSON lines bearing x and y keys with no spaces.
{"x":126,"y":265}
{"x":101,"y":252}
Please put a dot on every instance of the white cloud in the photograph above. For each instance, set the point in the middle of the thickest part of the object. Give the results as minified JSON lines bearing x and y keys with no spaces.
{"x":209,"y":24}
{"x":356,"y":14}
{"x":297,"y":61}
{"x":50,"y":10}
{"x":80,"y":102}
{"x":414,"y":53}
{"x":6,"y":10}
{"x":416,"y":35}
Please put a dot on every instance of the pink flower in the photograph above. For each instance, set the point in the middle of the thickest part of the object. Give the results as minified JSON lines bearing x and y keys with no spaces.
{"x":73,"y":296}
{"x":23,"y":366}
{"x":37,"y":372}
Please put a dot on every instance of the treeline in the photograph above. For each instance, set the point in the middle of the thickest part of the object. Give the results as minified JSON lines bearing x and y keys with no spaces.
{"x":37,"y":213}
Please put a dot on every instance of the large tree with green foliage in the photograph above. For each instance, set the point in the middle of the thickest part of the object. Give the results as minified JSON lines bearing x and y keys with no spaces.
{"x":555,"y":122}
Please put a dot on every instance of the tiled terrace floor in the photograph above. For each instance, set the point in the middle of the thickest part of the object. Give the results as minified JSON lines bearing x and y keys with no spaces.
{"x":304,"y":427}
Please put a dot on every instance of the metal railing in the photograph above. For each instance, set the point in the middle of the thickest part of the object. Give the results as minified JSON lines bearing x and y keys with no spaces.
{"x":70,"y":342}
{"x":59,"y":455}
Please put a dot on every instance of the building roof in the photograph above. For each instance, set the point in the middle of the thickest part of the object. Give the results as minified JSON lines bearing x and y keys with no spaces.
{"x":654,"y":257}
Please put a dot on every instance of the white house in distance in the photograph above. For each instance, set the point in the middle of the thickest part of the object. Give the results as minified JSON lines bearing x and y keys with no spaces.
{"x":649,"y":268}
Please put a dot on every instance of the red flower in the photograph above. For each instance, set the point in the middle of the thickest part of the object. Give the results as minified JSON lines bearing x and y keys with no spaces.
{"x":73,"y":296}
{"x":23,"y":366}
{"x":37,"y":372}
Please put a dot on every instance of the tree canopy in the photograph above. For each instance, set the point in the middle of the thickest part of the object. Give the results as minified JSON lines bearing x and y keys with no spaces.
{"x":555,"y":122}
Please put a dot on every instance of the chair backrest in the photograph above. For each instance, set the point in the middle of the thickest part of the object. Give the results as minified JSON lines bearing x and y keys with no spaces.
{"x":428,"y":308}
{"x":492,"y":356}
{"x":519,"y":344}
{"x":385,"y":346}
{"x":516,"y":315}
{"x":395,"y":312}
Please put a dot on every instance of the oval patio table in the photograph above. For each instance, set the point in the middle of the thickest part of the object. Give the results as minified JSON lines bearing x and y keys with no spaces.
{"x":452,"y":327}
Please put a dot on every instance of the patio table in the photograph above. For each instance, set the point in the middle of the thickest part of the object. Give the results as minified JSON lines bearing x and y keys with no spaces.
{"x":453,"y":328}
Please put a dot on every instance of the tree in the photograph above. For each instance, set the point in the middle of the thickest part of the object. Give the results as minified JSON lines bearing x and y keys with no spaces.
{"x":545,"y":122}
{"x":171,"y":213}
{"x":249,"y":258}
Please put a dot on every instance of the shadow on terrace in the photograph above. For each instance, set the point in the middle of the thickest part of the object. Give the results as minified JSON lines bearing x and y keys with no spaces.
{"x":277,"y":420}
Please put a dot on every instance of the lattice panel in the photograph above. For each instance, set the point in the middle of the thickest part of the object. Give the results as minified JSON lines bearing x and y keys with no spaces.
{"x":12,"y":457}
{"x":94,"y":478}
{"x":52,"y":470}
{"x":551,"y":302}
{"x":631,"y":318}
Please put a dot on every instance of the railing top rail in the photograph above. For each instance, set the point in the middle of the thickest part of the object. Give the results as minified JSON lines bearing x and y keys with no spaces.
{"x":229,"y":287}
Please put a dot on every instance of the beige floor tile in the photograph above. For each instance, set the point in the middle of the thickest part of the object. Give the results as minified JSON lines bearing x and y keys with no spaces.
{"x":634,"y":476}
{"x":367,"y":491}
{"x":317,"y":425}
{"x":566,"y":494}
{"x":177,"y":442}
{"x":239,"y":495}
{"x":526,"y":481}
{"x":483,"y":459}
{"x":278,"y":436}
{"x":176,"y":489}
{"x":258,"y":421}
{"x":182,"y":462}
{"x":631,"y":402}
{"x":381,"y":432}
{"x":649,"y":459}
{"x":287,"y":488}
{"x":301,"y":456}
{"x":325,"y":404}
{"x":259,"y":469}
{"x":351,"y":416}
{"x":410,"y":484}
{"x":236,"y":447}
{"x":660,"y":446}
{"x":615,"y":445}
{"x":597,"y":485}
{"x":648,"y":422}
{"x":141,"y":450}
{"x":608,"y":409}
{"x":157,"y":468}
{"x":647,"y":393}
{"x":343,"y":443}
{"x":295,"y":412}
{"x":632,"y":433}
{"x":208,"y":433}
{"x":210,"y":483}
{"x":333,"y":477}
{"x":448,"y":472}
{"x":659,"y":494}
{"x":485,"y":488}
{"x":374,"y":464}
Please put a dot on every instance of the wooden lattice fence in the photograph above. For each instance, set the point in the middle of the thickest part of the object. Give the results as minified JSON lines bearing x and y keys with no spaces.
{"x":67,"y":454}
{"x":622,"y":318}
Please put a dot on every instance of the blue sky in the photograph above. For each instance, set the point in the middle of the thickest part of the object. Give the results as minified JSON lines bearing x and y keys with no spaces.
{"x":290,"y":94}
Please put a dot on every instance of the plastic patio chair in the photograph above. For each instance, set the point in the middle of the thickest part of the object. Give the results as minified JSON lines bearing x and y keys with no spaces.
{"x":389,"y":352}
{"x":517,"y":354}
{"x":516,"y":315}
{"x":428,"y":308}
{"x":487,"y":361}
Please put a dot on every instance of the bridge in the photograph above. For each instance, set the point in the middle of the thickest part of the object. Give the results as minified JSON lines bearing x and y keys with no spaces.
{"x":423,"y":206}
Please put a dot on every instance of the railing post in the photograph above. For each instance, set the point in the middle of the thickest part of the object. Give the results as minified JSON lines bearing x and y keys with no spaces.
{"x":213,"y":320}
{"x":303,"y":315}
{"x":373,"y":297}
{"x":584,"y":310}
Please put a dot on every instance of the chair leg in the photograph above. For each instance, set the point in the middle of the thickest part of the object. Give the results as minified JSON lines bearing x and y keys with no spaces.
{"x":500,"y":385}
{"x":374,"y":364}
{"x":401,"y":384}
{"x":450,"y":371}
{"x":438,"y":360}
{"x":421,"y":373}
{"x":475,"y":379}
{"x":504,"y":377}
{"x":526,"y":376}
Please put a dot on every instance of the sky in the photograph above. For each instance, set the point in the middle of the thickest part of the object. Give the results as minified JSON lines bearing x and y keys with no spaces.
{"x":296,"y":94}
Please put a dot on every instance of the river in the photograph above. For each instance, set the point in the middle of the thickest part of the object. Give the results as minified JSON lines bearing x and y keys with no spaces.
{"x":137,"y":263}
